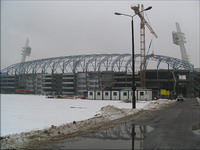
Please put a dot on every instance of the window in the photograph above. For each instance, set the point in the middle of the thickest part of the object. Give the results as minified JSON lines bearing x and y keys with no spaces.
{"x":182,"y":77}
{"x":141,"y":93}
{"x":98,"y":93}
{"x":125,"y":93}
{"x":106,"y":93}
{"x":115,"y":93}
{"x":91,"y":93}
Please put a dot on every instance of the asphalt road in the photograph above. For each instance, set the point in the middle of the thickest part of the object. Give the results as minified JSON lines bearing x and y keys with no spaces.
{"x":174,"y":126}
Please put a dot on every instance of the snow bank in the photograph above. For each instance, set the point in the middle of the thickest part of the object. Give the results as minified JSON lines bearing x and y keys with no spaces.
{"x":198,"y":100}
{"x":157,"y":104}
{"x":94,"y":114}
{"x":113,"y":113}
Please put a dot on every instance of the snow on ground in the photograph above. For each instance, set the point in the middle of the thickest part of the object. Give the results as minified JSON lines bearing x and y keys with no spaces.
{"x":198,"y":99}
{"x":23,"y":113}
{"x":29,"y":120}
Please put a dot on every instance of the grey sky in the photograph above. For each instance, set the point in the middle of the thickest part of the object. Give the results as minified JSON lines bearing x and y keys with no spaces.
{"x":62,"y":28}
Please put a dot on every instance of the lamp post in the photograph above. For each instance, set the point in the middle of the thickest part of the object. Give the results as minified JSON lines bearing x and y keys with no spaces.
{"x":168,"y":83}
{"x":133,"y":53}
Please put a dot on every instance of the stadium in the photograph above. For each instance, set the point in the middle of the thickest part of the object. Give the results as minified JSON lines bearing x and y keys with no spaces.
{"x":75,"y":75}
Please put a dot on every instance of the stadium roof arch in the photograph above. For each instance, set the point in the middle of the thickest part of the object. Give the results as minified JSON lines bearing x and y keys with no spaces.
{"x":93,"y":62}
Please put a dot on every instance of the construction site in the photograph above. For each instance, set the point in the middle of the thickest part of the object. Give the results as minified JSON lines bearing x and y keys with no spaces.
{"x":76,"y":75}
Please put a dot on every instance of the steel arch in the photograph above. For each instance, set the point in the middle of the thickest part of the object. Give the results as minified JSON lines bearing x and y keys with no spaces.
{"x":93,"y":62}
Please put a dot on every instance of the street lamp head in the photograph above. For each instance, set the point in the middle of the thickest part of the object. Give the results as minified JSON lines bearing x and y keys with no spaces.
{"x":116,"y":13}
{"x":148,"y":8}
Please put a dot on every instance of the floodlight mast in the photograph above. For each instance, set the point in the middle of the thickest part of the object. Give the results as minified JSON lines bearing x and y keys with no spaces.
{"x":26,"y":51}
{"x":179,"y":39}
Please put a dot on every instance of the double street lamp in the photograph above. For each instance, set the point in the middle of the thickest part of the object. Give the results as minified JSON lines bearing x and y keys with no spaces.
{"x":133,"y":53}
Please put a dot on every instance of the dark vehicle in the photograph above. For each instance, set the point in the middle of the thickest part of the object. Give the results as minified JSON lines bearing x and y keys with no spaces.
{"x":180,"y":98}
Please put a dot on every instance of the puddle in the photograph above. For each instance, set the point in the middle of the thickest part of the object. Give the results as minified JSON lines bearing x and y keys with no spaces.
{"x":124,"y":136}
{"x":196,"y":129}
{"x":196,"y":132}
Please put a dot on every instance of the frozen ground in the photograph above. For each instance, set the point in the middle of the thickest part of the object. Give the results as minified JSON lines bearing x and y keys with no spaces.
{"x":22,"y":113}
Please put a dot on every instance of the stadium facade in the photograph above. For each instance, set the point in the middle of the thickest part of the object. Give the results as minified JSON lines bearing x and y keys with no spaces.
{"x":75,"y":75}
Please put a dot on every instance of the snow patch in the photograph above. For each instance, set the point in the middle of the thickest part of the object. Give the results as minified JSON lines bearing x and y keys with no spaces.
{"x":198,"y":100}
{"x":24,"y":113}
{"x":112,"y":112}
{"x":157,"y":104}
{"x":98,"y":112}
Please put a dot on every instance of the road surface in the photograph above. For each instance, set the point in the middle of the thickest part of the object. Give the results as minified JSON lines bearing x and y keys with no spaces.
{"x":174,"y":126}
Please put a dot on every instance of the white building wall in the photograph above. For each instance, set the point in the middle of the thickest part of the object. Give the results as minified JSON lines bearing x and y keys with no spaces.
{"x":144,"y":94}
{"x":130,"y":95}
{"x":115,"y":95}
{"x":124,"y":95}
{"x":107,"y":95}
{"x":98,"y":95}
{"x":140,"y":94}
{"x":90,"y":94}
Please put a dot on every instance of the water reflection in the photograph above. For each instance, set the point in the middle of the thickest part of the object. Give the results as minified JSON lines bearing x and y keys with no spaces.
{"x":124,"y":132}
{"x":124,"y":136}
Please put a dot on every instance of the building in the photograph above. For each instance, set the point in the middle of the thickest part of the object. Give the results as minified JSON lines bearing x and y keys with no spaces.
{"x":75,"y":75}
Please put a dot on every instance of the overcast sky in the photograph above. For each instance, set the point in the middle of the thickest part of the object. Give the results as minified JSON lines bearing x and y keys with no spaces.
{"x":63,"y":28}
